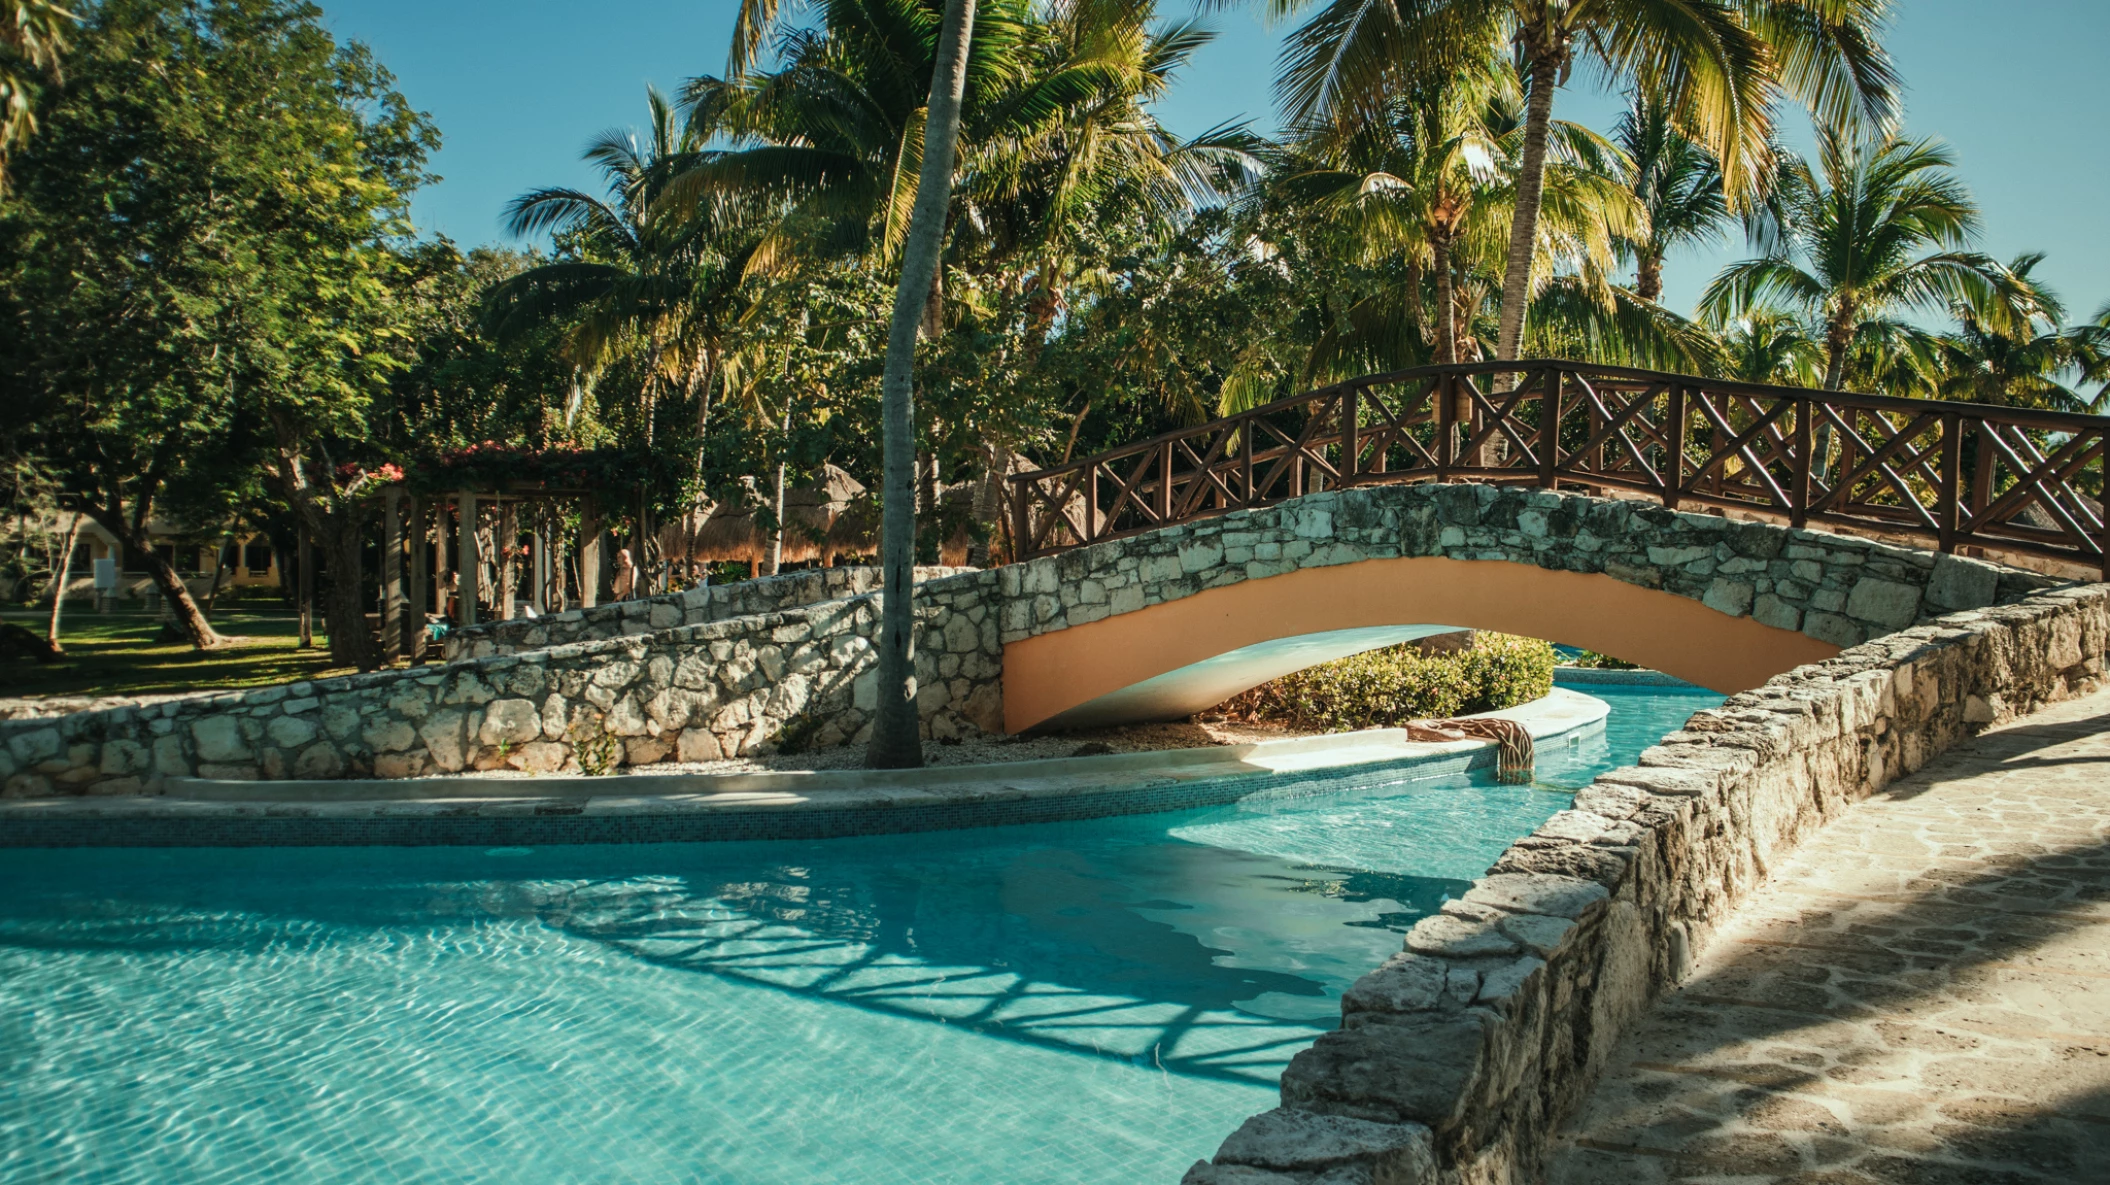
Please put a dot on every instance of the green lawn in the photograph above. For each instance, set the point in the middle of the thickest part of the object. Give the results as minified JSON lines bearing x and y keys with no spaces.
{"x":123,"y":654}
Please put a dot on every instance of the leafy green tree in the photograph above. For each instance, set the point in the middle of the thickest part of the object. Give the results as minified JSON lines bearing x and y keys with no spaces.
{"x":200,"y":279}
{"x":32,"y":36}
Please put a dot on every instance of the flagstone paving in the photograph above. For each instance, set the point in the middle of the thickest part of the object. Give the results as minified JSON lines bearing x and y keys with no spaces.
{"x":1922,"y":995}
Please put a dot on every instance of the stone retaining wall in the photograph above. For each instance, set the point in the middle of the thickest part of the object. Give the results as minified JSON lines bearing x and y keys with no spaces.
{"x":1457,"y":1059}
{"x":1839,"y":589}
{"x":691,"y":693}
{"x":715,"y":602}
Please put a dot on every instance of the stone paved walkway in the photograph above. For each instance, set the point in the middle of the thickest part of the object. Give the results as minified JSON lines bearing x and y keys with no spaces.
{"x":1921,"y":996}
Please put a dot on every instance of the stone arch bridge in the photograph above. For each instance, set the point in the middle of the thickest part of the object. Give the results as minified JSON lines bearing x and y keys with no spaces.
{"x":1587,"y":506}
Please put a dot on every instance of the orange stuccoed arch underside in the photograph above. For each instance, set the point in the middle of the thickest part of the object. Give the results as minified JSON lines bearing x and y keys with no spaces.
{"x":1053,"y":673}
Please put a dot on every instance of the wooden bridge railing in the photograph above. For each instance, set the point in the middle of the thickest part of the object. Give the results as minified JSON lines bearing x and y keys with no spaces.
{"x":1949,"y":474}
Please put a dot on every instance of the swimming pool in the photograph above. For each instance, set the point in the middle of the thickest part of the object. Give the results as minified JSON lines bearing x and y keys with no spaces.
{"x":1081,"y":1002}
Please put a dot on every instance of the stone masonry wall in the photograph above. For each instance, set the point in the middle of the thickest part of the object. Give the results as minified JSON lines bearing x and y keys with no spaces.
{"x":715,"y":602}
{"x":1457,"y":1059}
{"x":1832,"y":587}
{"x":692,"y":692}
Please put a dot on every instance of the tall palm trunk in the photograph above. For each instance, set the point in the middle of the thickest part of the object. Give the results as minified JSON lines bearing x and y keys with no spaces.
{"x":1837,"y":339}
{"x":1446,"y":298}
{"x":1531,"y":184}
{"x":895,"y":743}
{"x":1648,"y":278}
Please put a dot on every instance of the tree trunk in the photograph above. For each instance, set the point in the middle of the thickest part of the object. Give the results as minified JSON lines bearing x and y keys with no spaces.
{"x":219,"y":570}
{"x":1531,"y":184}
{"x":895,"y":742}
{"x":506,"y":552}
{"x":1446,"y":299}
{"x":988,"y":502}
{"x":188,"y":618}
{"x":1838,"y":339}
{"x":1648,"y":278}
{"x":338,"y":535}
{"x":58,"y":583}
{"x":776,"y":529}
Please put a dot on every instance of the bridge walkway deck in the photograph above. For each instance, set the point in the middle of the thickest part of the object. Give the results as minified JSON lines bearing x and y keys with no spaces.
{"x":1922,"y":995}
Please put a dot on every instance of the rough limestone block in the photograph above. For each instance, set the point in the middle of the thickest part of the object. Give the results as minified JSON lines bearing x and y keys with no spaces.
{"x":218,"y":738}
{"x":1403,"y":983}
{"x":1553,"y":896}
{"x":1458,"y":938}
{"x":510,"y":722}
{"x":1884,"y":602}
{"x":1415,"y":1069}
{"x":1303,"y":1141}
{"x":1732,"y":597}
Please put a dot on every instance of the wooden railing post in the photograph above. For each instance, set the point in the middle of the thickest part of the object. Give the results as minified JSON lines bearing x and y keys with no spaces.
{"x":1245,"y":458}
{"x":1351,"y":444}
{"x":1445,"y":421}
{"x":1549,"y":426}
{"x":1164,"y":498}
{"x":1022,"y":539}
{"x":1674,"y":463}
{"x":1951,"y":475}
{"x":1091,"y":502}
{"x":1799,"y":493}
{"x":2102,"y":530}
{"x":1981,"y":475}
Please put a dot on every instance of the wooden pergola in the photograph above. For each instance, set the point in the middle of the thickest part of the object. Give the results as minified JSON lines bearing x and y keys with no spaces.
{"x":427,"y":537}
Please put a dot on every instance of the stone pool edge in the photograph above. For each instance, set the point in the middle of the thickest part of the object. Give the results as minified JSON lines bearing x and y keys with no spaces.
{"x":1458,"y":1058}
{"x":736,"y":807}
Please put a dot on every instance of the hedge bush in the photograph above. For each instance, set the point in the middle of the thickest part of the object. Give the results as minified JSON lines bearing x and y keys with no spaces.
{"x":1386,"y":688}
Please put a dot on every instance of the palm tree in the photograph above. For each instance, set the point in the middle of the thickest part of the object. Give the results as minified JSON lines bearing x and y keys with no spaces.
{"x":1714,"y":64}
{"x":1991,"y":358}
{"x":1427,"y":192}
{"x":1768,"y":346}
{"x":675,"y":289}
{"x":896,"y":738}
{"x":1877,"y":228}
{"x":1676,"y":182}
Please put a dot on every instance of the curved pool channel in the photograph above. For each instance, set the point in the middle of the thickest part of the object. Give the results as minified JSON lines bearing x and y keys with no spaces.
{"x":1064,"y":1003}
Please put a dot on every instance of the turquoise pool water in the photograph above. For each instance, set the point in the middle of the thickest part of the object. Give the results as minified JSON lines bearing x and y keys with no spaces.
{"x":1077,"y":1003}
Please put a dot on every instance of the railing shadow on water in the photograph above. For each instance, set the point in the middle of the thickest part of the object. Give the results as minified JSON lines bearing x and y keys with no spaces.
{"x":1056,"y":950}
{"x":2008,"y":481}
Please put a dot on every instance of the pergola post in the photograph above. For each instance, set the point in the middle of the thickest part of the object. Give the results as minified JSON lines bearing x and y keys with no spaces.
{"x":412,"y":640}
{"x":465,"y":560}
{"x":440,"y":566}
{"x":589,"y":554}
{"x":538,"y":565}
{"x":506,"y":541}
{"x":392,"y":575}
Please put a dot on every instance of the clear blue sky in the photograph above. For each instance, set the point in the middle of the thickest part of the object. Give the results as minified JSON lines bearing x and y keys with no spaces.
{"x":518,"y":87}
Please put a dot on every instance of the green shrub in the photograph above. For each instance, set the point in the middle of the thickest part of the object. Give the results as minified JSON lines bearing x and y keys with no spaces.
{"x":1603,"y":662}
{"x":1386,"y":688}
